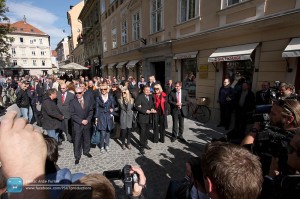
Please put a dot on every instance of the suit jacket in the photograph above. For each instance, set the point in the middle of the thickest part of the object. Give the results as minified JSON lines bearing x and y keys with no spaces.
{"x":263,"y":98}
{"x":65,"y":107}
{"x":78,"y":114}
{"x":39,"y":90}
{"x":142,"y":105}
{"x":169,"y":88}
{"x":184,"y":102}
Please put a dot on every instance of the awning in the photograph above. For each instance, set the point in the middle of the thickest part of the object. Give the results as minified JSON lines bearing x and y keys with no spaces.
{"x":293,"y":49}
{"x":121,"y":64}
{"x":111,"y":65}
{"x":186,"y":55}
{"x":233,"y":53}
{"x":132,"y":63}
{"x":103,"y":66}
{"x":73,"y":66}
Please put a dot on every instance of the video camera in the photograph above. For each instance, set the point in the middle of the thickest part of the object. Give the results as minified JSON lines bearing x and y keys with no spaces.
{"x":272,"y":141}
{"x":124,"y":175}
{"x":261,"y":114}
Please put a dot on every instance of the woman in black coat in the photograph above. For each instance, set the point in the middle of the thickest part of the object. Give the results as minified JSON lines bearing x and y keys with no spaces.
{"x":52,"y":117}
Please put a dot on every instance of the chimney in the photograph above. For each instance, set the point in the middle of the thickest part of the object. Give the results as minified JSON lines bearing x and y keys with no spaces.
{"x":24,"y":18}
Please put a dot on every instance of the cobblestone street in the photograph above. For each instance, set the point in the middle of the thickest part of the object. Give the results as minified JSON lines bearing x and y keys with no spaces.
{"x":165,"y":161}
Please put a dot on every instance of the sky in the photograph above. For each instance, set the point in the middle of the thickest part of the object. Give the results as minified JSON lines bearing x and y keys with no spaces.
{"x":49,"y":16}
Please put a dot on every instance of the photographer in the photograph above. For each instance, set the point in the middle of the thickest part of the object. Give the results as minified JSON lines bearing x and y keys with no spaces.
{"x":279,"y":184}
{"x":284,"y":114}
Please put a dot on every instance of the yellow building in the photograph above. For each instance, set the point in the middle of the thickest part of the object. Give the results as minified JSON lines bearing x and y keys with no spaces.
{"x":200,"y":42}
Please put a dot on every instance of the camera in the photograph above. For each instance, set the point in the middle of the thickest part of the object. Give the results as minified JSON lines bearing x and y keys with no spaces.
{"x":124,"y":175}
{"x":261,"y":114}
{"x":272,"y":141}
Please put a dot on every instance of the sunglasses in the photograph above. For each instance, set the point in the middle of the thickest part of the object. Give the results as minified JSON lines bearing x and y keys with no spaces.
{"x":156,"y":88}
{"x":105,"y":89}
{"x":62,"y":88}
{"x":78,"y":93}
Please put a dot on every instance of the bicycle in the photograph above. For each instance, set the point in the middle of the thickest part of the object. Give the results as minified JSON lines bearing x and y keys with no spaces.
{"x":199,"y":111}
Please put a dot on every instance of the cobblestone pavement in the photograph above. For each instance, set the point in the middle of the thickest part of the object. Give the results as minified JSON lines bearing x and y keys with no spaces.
{"x":165,"y":161}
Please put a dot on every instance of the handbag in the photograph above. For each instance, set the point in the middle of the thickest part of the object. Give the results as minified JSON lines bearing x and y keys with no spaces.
{"x":95,"y":136}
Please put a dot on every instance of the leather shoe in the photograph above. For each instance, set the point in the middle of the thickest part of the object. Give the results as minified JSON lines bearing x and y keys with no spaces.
{"x":182,"y":139}
{"x":123,"y":147}
{"x":142,"y":151}
{"x":173,"y":139}
{"x":88,"y":155}
{"x":76,"y":161}
{"x":147,"y":147}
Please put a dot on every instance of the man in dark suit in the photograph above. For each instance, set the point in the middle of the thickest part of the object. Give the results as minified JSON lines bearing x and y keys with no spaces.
{"x":178,"y":100}
{"x":145,"y":106}
{"x":152,"y":82}
{"x":63,"y":102}
{"x":169,"y":88}
{"x":263,"y":96}
{"x":81,"y":109}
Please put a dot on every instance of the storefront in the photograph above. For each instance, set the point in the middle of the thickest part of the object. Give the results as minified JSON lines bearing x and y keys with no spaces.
{"x":103,"y":69}
{"x":134,"y":68}
{"x":121,"y":70}
{"x":111,"y":71}
{"x":186,"y":64}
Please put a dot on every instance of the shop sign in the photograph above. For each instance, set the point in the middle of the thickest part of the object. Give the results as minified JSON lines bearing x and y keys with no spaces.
{"x":203,"y":72}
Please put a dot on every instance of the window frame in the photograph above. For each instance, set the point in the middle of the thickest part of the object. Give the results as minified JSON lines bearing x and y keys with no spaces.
{"x":187,"y":11}
{"x":124,"y":32}
{"x":136,"y":26}
{"x":158,"y":24}
{"x":114,"y":42}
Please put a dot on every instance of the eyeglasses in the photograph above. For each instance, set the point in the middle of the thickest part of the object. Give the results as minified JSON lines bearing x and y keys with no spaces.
{"x":78,"y":93}
{"x":105,"y":89}
{"x":156,"y":88}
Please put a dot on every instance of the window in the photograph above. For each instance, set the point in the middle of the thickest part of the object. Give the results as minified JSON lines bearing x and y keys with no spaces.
{"x":34,"y":62}
{"x":13,"y":51}
{"x":21,"y":39}
{"x":156,"y":15}
{"x":111,"y":1}
{"x":114,"y":37}
{"x":43,"y":52}
{"x":43,"y":62}
{"x":15,"y":63}
{"x":31,"y":41}
{"x":136,"y":26}
{"x":103,"y":8}
{"x":234,"y":70}
{"x":24,"y":61}
{"x":21,"y":29}
{"x":188,"y":9}
{"x":33,"y":53}
{"x":232,"y":2}
{"x":31,"y":30}
{"x":124,"y":32}
{"x":41,"y":41}
{"x":104,"y":45}
{"x":189,"y":69}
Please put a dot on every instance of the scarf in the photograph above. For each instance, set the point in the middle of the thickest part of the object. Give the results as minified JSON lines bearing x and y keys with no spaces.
{"x":159,"y":100}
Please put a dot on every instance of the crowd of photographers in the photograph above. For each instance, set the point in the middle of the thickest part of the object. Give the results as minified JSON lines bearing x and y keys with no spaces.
{"x":265,"y":165}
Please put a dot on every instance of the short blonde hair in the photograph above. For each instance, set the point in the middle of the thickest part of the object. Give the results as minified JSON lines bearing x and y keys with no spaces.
{"x":159,"y":87}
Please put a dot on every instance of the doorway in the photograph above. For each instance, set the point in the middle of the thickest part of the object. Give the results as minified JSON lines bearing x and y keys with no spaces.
{"x":159,"y":68}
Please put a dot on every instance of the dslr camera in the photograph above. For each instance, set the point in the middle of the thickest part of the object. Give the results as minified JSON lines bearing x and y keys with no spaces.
{"x":124,"y":175}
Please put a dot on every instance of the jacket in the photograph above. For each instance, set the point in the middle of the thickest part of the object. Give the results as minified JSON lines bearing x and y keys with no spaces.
{"x":52,"y":116}
{"x":105,"y":117}
{"x":22,"y":99}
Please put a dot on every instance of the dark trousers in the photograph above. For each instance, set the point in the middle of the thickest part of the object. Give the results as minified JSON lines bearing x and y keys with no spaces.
{"x":225,"y":111}
{"x":178,"y":124}
{"x":125,"y":133}
{"x":159,"y":128}
{"x":144,"y":133}
{"x":82,"y":141}
{"x":241,"y":120}
{"x":68,"y":128}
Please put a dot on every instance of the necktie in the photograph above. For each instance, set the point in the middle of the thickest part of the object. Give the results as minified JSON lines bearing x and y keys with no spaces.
{"x":63,"y":98}
{"x":178,"y":97}
{"x":81,"y":103}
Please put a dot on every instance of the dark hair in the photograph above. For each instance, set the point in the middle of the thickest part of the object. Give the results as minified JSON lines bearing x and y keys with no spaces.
{"x":145,"y":86}
{"x":178,"y":82}
{"x":51,"y":91}
{"x":234,"y":171}
{"x":52,"y":154}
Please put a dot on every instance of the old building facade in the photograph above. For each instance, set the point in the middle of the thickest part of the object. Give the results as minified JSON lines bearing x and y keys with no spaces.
{"x":29,"y":50}
{"x":200,"y":42}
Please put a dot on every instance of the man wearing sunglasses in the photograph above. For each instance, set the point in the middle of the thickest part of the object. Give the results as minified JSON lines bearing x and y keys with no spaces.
{"x":81,"y":109}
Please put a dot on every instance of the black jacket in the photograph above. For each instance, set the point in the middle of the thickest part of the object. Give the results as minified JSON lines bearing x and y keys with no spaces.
{"x":22,"y":99}
{"x":52,"y":116}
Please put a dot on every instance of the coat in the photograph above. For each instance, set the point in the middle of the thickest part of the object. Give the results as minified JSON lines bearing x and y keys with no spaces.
{"x":65,"y":107}
{"x":22,"y":99}
{"x":164,"y":101}
{"x":126,"y":114}
{"x":142,"y":105}
{"x":105,"y":117}
{"x":184,"y":102}
{"x":52,"y":117}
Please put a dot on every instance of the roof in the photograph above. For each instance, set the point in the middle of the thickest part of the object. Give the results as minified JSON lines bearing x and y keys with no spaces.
{"x":24,"y":27}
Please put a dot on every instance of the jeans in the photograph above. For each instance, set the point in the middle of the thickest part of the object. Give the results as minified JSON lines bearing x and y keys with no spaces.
{"x":53,"y":134}
{"x":104,"y":138}
{"x":27,"y":113}
{"x":30,"y":114}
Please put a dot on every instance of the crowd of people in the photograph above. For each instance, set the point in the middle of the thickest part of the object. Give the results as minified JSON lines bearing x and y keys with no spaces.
{"x":70,"y":109}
